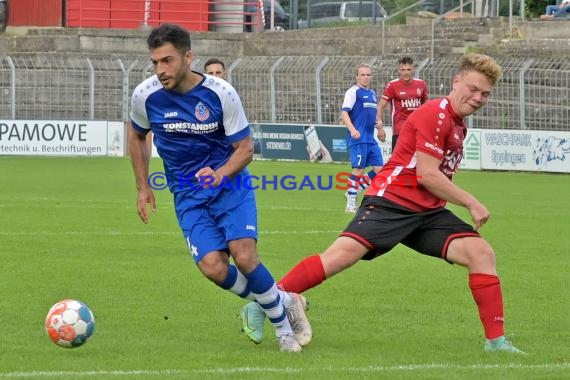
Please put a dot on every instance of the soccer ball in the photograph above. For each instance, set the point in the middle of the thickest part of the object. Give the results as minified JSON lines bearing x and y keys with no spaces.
{"x":70,"y":323}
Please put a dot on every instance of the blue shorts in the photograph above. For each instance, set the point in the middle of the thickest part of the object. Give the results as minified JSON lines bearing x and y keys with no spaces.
{"x":364,"y":155}
{"x":209,"y":224}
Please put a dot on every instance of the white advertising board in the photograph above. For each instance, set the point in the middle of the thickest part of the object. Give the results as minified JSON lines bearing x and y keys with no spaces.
{"x":544,"y":151}
{"x":116,"y":138}
{"x":53,"y":138}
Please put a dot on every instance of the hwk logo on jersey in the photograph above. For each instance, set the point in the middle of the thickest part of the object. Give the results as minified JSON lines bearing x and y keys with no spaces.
{"x":201,"y":112}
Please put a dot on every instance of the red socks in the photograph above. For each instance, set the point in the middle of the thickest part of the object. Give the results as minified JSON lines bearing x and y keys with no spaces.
{"x":486,"y":290}
{"x":307,"y":274}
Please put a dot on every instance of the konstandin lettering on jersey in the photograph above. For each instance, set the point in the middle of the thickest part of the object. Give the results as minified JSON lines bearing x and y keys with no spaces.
{"x":191,"y":130}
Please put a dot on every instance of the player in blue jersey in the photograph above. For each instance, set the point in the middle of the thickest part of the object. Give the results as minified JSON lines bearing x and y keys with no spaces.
{"x":203,"y":137}
{"x":358,"y":114}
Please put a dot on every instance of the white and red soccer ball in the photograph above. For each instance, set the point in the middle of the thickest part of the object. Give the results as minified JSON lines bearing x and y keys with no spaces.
{"x":70,"y":323}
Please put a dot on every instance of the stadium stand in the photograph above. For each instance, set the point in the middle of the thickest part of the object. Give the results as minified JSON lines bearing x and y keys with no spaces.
{"x":295,"y":76}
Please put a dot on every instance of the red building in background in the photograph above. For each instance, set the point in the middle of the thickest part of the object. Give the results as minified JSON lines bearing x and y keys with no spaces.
{"x":35,"y":13}
{"x":133,"y":14}
{"x":196,"y":15}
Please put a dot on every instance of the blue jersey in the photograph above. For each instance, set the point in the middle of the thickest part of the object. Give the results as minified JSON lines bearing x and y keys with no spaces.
{"x":191,"y":130}
{"x":361,"y":105}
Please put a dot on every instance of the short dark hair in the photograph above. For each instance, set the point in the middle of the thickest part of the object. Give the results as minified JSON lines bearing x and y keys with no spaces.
{"x":213,"y":61}
{"x":406,"y":61}
{"x":176,"y":35}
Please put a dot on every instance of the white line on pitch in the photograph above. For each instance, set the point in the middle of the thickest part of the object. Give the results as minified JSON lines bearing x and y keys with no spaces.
{"x":369,"y":369}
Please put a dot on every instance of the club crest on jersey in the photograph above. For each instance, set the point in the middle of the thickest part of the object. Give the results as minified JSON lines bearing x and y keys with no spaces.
{"x":419,"y":91}
{"x":201,"y":112}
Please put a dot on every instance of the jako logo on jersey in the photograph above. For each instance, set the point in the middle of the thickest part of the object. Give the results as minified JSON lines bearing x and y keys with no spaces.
{"x":201,"y":112}
{"x":250,"y":227}
{"x":170,"y":114}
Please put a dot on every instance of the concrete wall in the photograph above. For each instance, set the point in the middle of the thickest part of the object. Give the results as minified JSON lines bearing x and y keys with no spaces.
{"x":452,"y":36}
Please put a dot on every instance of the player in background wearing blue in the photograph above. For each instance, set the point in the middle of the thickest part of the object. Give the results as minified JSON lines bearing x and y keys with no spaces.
{"x":359,"y":111}
{"x":201,"y":133}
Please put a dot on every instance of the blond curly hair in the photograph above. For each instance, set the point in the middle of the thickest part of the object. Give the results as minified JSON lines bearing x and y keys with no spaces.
{"x":483,"y":64}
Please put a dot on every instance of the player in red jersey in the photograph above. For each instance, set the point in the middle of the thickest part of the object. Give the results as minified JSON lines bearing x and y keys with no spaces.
{"x":405,"y":203}
{"x":404,"y":95}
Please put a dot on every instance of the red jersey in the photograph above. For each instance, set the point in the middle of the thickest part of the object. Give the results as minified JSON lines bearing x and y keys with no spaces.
{"x":434,"y":129}
{"x":405,"y":98}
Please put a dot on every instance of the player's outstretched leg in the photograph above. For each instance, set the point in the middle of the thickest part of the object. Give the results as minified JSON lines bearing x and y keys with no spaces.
{"x":488,"y":295}
{"x":501,"y":344}
{"x":295,"y":308}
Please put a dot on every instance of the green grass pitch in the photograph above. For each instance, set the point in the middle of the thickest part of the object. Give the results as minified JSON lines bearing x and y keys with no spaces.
{"x":69,"y":229}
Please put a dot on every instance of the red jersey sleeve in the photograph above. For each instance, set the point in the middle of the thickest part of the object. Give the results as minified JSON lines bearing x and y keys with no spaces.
{"x":432,"y":128}
{"x":388,"y":93}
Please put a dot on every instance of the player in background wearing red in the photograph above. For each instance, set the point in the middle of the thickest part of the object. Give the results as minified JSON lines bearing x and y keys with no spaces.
{"x":412,"y":212}
{"x":404,"y":94}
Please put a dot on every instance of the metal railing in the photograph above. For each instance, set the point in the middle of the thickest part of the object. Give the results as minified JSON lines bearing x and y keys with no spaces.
{"x":393,"y":16}
{"x":438,"y":19}
{"x":533,"y":93}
